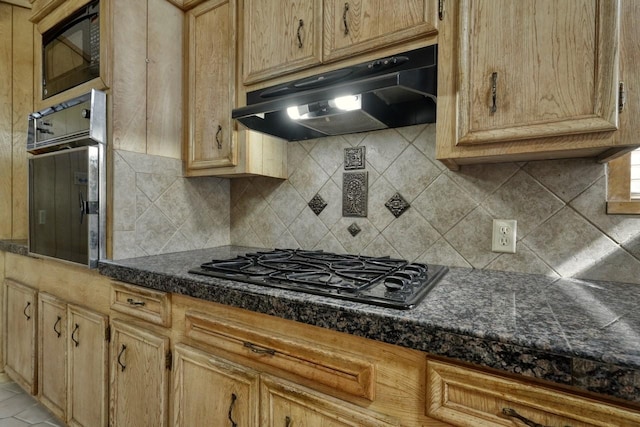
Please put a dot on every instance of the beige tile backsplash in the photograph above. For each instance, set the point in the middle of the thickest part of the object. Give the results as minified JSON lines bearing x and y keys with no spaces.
{"x":559,"y":205}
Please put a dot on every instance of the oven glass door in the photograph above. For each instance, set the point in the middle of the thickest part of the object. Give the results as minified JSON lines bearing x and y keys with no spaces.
{"x":62,"y":219}
{"x":71,"y":52}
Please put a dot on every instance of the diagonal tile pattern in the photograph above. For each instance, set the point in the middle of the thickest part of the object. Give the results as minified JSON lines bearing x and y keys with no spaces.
{"x":19,"y":409}
{"x":559,"y":206}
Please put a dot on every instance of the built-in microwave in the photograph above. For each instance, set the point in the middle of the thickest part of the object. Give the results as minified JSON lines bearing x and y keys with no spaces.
{"x":71,"y":51}
{"x":67,"y":180}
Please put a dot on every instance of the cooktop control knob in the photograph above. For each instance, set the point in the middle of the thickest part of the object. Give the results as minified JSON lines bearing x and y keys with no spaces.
{"x":86,"y":113}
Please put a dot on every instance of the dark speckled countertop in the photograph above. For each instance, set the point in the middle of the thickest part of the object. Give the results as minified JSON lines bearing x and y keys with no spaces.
{"x":580,"y":333}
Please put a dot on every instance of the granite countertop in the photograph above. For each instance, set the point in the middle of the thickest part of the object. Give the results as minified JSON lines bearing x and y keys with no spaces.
{"x":584,"y":334}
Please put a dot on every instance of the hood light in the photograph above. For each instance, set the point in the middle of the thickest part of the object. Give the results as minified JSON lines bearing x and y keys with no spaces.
{"x":343,"y":103}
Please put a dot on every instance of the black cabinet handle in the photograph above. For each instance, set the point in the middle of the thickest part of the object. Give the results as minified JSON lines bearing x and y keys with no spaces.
{"x":131,"y":301}
{"x":73,"y":335}
{"x":230,"y":415}
{"x":122,"y":365}
{"x":513,"y":414}
{"x":259,"y":350}
{"x":218,"y":140}
{"x":287,"y":421}
{"x":494,"y":92}
{"x":25,"y":310}
{"x":300,"y":25}
{"x":344,"y":18}
{"x":58,"y":332}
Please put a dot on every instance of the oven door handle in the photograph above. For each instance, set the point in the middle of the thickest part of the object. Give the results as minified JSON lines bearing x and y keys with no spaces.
{"x":82,"y":209}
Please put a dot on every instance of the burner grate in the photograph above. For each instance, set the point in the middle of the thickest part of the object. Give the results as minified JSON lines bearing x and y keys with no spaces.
{"x":381,"y":281}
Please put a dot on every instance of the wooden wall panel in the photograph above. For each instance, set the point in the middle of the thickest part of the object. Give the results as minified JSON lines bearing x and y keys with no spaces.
{"x":6,"y":16}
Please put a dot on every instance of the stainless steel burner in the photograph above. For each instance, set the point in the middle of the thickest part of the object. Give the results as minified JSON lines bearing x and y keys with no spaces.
{"x":382,"y":281}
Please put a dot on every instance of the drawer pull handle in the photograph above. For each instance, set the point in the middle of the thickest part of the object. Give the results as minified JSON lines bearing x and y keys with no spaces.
{"x":55,"y":329}
{"x":259,"y":350}
{"x":513,"y":414}
{"x":230,"y":415}
{"x":131,"y":301}
{"x":26,"y":307}
{"x":73,"y":335}
{"x":300,"y":25}
{"x":122,"y":365}
{"x":218,"y":140}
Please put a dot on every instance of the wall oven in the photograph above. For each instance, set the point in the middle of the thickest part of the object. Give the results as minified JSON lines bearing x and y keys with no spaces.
{"x":67,"y":180}
{"x":71,"y":51}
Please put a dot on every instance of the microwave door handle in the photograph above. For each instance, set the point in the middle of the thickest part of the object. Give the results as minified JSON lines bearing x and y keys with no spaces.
{"x":82,"y":211}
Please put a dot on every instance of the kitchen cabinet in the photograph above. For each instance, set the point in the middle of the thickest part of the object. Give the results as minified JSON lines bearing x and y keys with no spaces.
{"x":283,"y":403}
{"x":140,"y":363}
{"x":284,"y":36}
{"x":87,"y":367}
{"x":21,"y":315}
{"x":355,"y":26}
{"x":280,"y":36}
{"x":212,"y":144}
{"x":52,"y":354}
{"x":527,"y":80}
{"x":209,"y":390}
{"x":468,"y":397}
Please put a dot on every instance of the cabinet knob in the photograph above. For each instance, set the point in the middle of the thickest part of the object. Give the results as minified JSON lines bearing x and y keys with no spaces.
{"x":298,"y":33}
{"x":344,"y":19}
{"x":122,"y":365}
{"x":25,"y":310}
{"x":230,"y":414}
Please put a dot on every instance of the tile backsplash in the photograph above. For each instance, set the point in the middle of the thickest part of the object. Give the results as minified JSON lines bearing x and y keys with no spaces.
{"x":559,"y":205}
{"x":156,"y":210}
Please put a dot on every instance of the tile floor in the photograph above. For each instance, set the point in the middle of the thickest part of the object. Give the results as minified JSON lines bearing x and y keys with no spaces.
{"x":19,"y":409}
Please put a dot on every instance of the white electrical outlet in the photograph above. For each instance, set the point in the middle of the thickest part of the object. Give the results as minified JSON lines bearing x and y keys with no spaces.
{"x":504,"y":236}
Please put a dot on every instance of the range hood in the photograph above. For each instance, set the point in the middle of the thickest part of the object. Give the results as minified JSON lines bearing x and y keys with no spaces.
{"x":385,"y":93}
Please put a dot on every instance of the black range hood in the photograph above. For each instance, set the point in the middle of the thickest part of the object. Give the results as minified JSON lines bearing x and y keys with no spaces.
{"x":385,"y":93}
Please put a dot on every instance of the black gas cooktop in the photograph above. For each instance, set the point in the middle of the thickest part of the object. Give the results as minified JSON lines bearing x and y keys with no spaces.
{"x":382,"y":281}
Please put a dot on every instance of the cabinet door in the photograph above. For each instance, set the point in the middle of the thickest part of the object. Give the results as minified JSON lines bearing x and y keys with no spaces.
{"x":356,"y":26}
{"x":20,"y":334}
{"x":285,"y":404}
{"x":536,"y":68}
{"x":87,"y":367}
{"x":52,"y":354}
{"x":139,"y":377}
{"x":280,"y":36}
{"x":211,"y":59}
{"x":212,"y":391}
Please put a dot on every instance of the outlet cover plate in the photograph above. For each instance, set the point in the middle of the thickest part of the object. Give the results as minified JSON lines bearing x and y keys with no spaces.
{"x":504,"y":236}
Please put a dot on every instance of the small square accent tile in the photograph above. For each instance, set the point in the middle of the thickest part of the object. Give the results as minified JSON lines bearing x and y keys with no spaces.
{"x":397,"y":205}
{"x":317,"y":204}
{"x":354,"y":229}
{"x":354,"y":194}
{"x":354,"y":157}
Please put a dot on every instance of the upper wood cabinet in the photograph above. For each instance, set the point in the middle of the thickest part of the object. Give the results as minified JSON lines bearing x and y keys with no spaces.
{"x":280,"y":36}
{"x":355,"y":26}
{"x":527,"y":80}
{"x":284,"y":36}
{"x":213,"y":146}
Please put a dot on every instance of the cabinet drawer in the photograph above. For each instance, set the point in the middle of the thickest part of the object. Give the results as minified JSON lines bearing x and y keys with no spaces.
{"x":146,"y":304}
{"x":307,"y":360}
{"x":465,"y":397}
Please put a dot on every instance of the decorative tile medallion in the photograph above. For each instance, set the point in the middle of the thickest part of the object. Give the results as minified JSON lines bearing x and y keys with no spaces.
{"x":354,"y":158}
{"x":354,"y":193}
{"x":354,"y":229}
{"x":397,"y":205}
{"x":317,"y":204}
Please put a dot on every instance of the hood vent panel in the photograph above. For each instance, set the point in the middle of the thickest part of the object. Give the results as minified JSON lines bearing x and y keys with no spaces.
{"x":385,"y":93}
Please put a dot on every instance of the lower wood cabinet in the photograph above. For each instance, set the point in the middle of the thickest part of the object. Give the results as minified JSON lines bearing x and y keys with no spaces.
{"x":21,"y":314}
{"x":468,"y":397}
{"x":283,"y":403}
{"x":208,"y":390}
{"x":139,"y":385}
{"x":72,"y":360}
